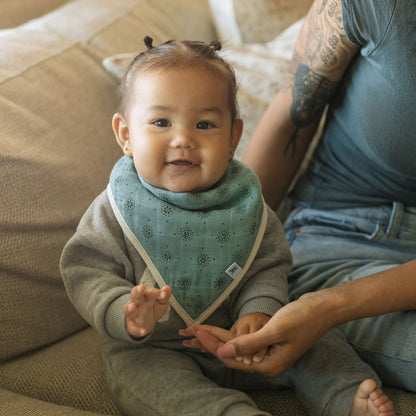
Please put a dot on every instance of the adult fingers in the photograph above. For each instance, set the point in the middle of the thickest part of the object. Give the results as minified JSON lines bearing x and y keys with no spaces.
{"x":243,"y":345}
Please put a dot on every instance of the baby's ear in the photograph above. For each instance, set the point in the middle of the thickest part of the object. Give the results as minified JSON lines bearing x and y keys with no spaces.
{"x":236,"y":132}
{"x":121,"y":131}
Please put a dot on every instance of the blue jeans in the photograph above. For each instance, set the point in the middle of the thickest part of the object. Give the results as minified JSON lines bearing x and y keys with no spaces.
{"x":331,"y":247}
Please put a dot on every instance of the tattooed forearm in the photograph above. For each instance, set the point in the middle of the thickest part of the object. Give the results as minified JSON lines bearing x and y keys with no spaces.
{"x":326,"y":38}
{"x":332,"y":9}
{"x":311,"y":92}
{"x":321,"y":57}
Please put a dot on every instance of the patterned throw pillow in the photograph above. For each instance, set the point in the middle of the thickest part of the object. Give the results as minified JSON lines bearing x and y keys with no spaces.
{"x":248,"y":21}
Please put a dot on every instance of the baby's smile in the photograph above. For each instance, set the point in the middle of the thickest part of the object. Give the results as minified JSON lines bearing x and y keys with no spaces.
{"x":181,"y":162}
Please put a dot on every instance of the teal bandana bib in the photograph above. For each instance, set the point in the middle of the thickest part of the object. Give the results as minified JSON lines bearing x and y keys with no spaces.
{"x":200,"y":244}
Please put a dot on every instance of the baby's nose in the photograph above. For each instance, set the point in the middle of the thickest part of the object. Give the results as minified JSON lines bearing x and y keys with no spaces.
{"x":183,"y":139}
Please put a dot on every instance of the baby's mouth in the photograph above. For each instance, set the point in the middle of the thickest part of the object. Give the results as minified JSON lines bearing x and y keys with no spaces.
{"x":180,"y":162}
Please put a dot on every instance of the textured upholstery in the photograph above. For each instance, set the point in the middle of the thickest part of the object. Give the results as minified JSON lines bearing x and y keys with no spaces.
{"x":57,"y":146}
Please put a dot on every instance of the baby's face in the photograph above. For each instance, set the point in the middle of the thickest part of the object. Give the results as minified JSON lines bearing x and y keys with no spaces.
{"x":178,"y":128}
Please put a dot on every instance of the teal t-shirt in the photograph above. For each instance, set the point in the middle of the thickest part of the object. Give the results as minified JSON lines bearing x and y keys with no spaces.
{"x":367,"y":155}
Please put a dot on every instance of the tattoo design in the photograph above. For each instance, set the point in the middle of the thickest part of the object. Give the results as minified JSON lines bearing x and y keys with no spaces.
{"x":311,"y":92}
{"x":320,"y":60}
{"x":332,"y":9}
{"x":323,"y":5}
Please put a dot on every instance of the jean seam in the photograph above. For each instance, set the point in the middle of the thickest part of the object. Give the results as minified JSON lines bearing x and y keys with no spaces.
{"x":380,"y":353}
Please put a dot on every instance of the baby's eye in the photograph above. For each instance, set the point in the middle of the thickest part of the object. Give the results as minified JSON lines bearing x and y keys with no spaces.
{"x":204,"y":125}
{"x":162,"y":122}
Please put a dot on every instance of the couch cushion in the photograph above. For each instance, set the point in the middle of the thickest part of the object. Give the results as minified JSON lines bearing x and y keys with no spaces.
{"x":67,"y":373}
{"x":14,"y":13}
{"x":55,"y":155}
{"x":57,"y":146}
{"x":14,"y":404}
{"x":248,"y":21}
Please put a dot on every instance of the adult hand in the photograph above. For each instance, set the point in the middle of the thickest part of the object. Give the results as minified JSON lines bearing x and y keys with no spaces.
{"x":212,"y":339}
{"x":249,"y":324}
{"x":288,"y":334}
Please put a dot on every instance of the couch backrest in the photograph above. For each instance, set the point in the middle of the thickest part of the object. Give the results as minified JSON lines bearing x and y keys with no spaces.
{"x":255,"y":21}
{"x":57,"y":146}
{"x":14,"y":13}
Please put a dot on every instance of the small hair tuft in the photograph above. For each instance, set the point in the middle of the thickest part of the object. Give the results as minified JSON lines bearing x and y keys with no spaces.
{"x":216,"y":45}
{"x":148,"y":41}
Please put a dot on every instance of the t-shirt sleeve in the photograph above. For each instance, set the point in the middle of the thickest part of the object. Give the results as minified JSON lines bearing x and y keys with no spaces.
{"x":366,"y":22}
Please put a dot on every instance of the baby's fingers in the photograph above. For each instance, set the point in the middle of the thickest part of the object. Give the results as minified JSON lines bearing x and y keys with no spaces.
{"x":165,"y":294}
{"x":142,"y":293}
{"x":130,"y":310}
{"x":137,"y":313}
{"x":134,"y":329}
{"x":137,"y":294}
{"x":192,"y":343}
{"x":259,"y":355}
{"x":254,"y":358}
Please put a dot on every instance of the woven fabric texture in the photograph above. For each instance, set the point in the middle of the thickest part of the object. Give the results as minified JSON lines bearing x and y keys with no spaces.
{"x":57,"y":146}
{"x":247,"y":21}
{"x":14,"y":13}
{"x":67,"y":373}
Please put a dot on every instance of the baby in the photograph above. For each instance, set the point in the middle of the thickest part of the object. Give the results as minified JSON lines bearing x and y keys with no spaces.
{"x":182,"y":236}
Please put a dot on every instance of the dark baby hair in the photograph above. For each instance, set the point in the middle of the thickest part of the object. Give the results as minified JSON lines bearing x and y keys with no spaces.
{"x":180,"y":54}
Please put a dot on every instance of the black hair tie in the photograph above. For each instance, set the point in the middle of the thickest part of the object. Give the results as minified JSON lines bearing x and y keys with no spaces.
{"x":148,"y":41}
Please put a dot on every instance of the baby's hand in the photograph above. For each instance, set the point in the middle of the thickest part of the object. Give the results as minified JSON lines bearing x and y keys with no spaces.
{"x":147,"y":305}
{"x":248,"y":324}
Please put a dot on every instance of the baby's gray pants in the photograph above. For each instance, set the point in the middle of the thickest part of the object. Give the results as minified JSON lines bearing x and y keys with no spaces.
{"x":150,"y":381}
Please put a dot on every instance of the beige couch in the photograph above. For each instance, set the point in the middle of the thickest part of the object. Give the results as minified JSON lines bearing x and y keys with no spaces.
{"x":57,"y":149}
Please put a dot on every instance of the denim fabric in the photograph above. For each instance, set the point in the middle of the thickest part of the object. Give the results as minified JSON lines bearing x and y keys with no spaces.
{"x":331,"y":247}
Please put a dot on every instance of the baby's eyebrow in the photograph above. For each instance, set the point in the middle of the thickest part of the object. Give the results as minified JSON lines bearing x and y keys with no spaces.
{"x":211,"y":110}
{"x":216,"y":110}
{"x":159,"y":108}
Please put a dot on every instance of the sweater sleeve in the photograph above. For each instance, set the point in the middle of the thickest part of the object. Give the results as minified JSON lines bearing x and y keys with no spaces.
{"x":97,"y":272}
{"x":264,"y":288}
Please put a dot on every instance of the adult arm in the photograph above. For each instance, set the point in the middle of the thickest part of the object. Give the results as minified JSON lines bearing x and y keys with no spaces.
{"x":321,"y":57}
{"x":296,"y":327}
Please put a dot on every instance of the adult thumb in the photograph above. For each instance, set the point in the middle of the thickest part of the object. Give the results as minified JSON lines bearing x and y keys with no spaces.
{"x":242,"y":345}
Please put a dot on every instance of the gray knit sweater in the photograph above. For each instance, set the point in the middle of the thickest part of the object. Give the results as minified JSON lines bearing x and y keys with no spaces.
{"x":100,"y":266}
